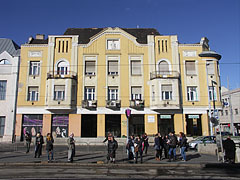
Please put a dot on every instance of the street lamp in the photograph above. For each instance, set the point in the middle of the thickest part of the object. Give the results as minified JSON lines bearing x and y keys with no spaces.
{"x":209,"y":102}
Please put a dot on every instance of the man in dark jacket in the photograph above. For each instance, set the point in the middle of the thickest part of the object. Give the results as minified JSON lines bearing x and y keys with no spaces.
{"x":112,"y":147}
{"x":139,"y":146}
{"x":229,"y":148}
{"x":28,"y":139}
{"x":172,"y":145}
{"x":38,"y":145}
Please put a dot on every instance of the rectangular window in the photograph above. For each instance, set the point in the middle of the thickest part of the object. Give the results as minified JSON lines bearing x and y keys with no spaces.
{"x":190,"y":67}
{"x":113,"y":93}
{"x":136,"y":67}
{"x":136,"y":93}
{"x":59,"y":92}
{"x":192,"y":93}
{"x":90,"y":67}
{"x":112,"y":67}
{"x":63,"y":46}
{"x":166,"y":45}
{"x":210,"y":68}
{"x":32,"y":123}
{"x":2,"y":125}
{"x":60,"y":124}
{"x":89,"y":93}
{"x":226,"y":112}
{"x":212,"y":93}
{"x":113,"y":44}
{"x":236,"y":111}
{"x":166,"y":92}
{"x":66,"y":46}
{"x":34,"y":68}
{"x":3,"y":89}
{"x":33,"y":94}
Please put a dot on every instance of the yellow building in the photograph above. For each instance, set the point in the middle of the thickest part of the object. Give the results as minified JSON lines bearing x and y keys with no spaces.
{"x":83,"y":82}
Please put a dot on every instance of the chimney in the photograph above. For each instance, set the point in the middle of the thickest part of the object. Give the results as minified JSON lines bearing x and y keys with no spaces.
{"x":30,"y":39}
{"x":40,"y":36}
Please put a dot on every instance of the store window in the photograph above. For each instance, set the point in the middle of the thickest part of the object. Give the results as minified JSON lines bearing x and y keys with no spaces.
{"x":60,"y":124}
{"x":32,"y":123}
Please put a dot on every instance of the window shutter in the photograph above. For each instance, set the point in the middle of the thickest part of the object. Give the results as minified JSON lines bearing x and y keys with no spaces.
{"x":166,"y":87}
{"x":33,"y":89}
{"x":59,"y":88}
{"x":136,"y":67}
{"x":163,"y":67}
{"x":136,"y":90}
{"x":90,"y":66}
{"x":113,"y":66}
{"x":190,"y":67}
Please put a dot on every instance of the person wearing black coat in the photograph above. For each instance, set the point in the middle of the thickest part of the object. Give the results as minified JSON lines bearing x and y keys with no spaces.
{"x":139,"y":146}
{"x":229,"y":148}
{"x":49,"y":146}
{"x":183,"y":145}
{"x":28,"y":139}
{"x":165,"y":146}
{"x":157,"y":147}
{"x":38,"y":145}
{"x":112,"y":147}
{"x":172,"y":145}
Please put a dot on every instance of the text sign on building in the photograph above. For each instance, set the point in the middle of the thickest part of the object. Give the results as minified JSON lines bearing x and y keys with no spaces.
{"x":35,"y":54}
{"x":189,"y":53}
{"x":193,"y":116}
{"x":151,"y":119}
{"x":165,"y":116}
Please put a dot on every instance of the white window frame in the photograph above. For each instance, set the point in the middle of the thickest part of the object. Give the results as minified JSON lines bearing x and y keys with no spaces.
{"x":89,"y":93}
{"x":34,"y":69}
{"x":192,"y":94}
{"x":115,"y":44}
{"x":5,"y":62}
{"x":59,"y":95}
{"x":90,"y":73}
{"x":3,"y":90}
{"x":191,"y":72}
{"x":212,"y":93}
{"x":137,"y":96}
{"x":164,"y":94}
{"x":113,"y":93}
{"x":2,"y":125}
{"x":33,"y":95}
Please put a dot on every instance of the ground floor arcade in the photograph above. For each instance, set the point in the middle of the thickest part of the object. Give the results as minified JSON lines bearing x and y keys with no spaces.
{"x":98,"y":125}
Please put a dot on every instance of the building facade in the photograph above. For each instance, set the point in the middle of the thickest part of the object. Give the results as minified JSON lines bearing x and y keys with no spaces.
{"x":9,"y":68}
{"x":230,"y":111}
{"x":84,"y":80}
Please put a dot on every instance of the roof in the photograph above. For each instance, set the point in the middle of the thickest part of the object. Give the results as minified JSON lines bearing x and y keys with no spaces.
{"x":38,"y":41}
{"x":210,"y":54}
{"x":86,"y":33}
{"x":10,"y":46}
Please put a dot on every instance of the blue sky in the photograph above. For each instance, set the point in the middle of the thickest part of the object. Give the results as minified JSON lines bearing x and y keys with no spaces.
{"x":218,"y":20}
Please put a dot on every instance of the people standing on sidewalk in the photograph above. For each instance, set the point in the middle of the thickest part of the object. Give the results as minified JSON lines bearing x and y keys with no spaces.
{"x":166,"y":146}
{"x":183,"y":145}
{"x":38,"y":145}
{"x":71,"y":147}
{"x":49,"y":146}
{"x":138,"y":147}
{"x":28,"y":139}
{"x":112,"y":147}
{"x":130,"y":148}
{"x":172,"y":146}
{"x":161,"y":146}
{"x":157,"y":147}
{"x":229,"y":148}
{"x":146,"y":144}
{"x":108,"y":135}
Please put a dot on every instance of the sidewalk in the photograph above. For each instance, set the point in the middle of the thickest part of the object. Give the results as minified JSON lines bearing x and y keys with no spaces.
{"x":16,"y":153}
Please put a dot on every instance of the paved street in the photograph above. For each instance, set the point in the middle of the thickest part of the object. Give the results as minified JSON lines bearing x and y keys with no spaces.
{"x":89,"y":163}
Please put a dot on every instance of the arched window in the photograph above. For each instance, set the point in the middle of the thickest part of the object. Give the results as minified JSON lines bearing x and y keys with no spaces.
{"x":163,"y":67}
{"x":4,"y":61}
{"x":62,"y":68}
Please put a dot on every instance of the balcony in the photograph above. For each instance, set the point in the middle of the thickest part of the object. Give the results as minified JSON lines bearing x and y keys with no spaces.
{"x":89,"y":104}
{"x":167,"y":74}
{"x":59,"y":75}
{"x":113,"y":104}
{"x":137,"y":104}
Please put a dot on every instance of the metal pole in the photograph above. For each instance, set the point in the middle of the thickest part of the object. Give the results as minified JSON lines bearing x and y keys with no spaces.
{"x":221,"y":143}
{"x":230,"y":108}
{"x":209,"y":103}
{"x":127,"y":128}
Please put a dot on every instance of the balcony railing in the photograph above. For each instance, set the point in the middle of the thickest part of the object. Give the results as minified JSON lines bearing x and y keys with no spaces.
{"x":113,"y":104}
{"x":61,"y":75}
{"x":162,"y":74}
{"x":89,"y":104}
{"x":137,"y":104}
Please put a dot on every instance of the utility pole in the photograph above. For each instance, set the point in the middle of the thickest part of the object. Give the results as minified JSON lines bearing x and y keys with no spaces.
{"x":230,"y":109}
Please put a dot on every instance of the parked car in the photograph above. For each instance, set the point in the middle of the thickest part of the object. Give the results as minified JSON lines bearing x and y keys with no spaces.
{"x":201,"y":139}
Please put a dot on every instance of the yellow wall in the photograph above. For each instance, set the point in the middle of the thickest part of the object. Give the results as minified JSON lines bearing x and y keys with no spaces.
{"x":47,"y":122}
{"x":18,"y":126}
{"x":205,"y":125}
{"x":75,"y":124}
{"x":123,"y":125}
{"x":179,"y":120}
{"x":151,"y":128}
{"x":101,"y":125}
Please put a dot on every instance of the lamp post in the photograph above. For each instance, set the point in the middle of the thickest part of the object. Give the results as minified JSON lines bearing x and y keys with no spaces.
{"x":128,"y":114}
{"x":209,"y":102}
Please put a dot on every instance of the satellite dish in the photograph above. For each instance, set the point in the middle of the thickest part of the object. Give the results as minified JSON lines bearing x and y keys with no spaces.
{"x":214,"y":121}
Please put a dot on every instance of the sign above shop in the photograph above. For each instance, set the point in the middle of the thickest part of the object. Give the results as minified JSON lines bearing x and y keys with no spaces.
{"x":165,"y":116}
{"x":193,"y":116}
